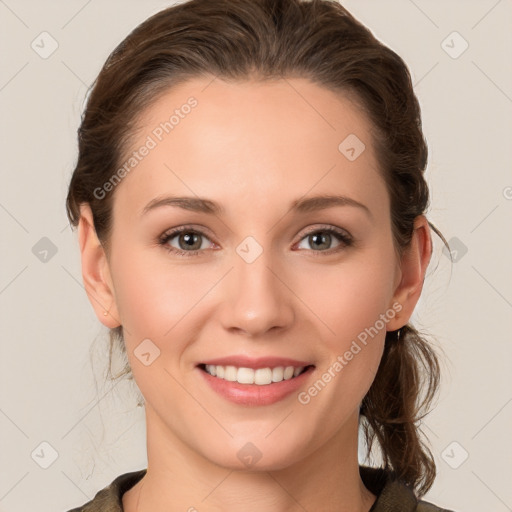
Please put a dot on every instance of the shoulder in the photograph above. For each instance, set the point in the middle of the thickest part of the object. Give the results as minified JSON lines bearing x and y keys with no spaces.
{"x":109,"y":499}
{"x":424,"y":506}
{"x":392,"y":494}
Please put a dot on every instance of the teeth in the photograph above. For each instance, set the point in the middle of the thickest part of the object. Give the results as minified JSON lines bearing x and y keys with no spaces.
{"x":230,"y":373}
{"x":288,"y":372}
{"x":277,"y":374}
{"x":261,"y":376}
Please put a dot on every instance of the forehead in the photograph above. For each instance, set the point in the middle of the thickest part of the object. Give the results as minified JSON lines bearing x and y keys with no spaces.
{"x":296,"y":103}
{"x":207,"y":134}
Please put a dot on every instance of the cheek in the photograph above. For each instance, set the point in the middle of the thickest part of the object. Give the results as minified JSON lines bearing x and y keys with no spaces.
{"x":156,"y":299}
{"x":352,"y":302}
{"x":349,"y":298}
{"x":155,"y":303}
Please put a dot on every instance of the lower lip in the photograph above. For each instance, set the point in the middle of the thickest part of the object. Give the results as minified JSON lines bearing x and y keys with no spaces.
{"x":253,"y":394}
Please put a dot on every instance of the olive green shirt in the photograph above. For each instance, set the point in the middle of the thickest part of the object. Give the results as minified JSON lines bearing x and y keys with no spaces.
{"x":392,"y":495}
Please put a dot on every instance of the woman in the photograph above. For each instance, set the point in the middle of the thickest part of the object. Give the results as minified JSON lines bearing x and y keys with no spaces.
{"x":250,"y":204}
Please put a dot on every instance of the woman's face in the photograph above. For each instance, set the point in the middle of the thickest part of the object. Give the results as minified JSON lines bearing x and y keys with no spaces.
{"x":262,"y":279}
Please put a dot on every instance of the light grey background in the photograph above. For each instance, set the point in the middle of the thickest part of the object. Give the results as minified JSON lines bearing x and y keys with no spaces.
{"x":50,"y":334}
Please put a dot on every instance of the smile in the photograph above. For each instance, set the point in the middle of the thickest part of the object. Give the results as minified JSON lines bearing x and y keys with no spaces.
{"x":259,"y":376}
{"x":260,"y":386}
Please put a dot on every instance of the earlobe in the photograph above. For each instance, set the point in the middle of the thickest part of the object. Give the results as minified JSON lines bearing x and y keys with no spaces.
{"x":413,"y":267}
{"x":95,"y":271}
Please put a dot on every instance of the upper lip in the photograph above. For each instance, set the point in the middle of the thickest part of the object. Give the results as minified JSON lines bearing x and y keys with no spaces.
{"x":243,"y":361}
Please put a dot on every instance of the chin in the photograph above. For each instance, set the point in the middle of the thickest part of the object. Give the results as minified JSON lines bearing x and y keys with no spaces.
{"x":259,"y":454}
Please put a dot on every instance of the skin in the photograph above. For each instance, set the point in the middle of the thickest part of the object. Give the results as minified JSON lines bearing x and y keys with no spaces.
{"x":253,"y":147}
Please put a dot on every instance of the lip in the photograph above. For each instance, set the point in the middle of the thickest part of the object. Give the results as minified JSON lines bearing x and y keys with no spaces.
{"x":244,"y":361}
{"x":254,"y":394}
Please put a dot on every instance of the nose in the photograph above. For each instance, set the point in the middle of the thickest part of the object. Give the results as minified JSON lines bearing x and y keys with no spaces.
{"x":256,"y":298}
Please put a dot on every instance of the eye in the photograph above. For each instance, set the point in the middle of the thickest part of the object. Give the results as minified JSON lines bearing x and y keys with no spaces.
{"x":187,"y":238}
{"x":320,"y":238}
{"x":190,"y":241}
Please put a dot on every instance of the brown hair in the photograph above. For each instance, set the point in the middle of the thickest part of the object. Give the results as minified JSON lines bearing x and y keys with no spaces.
{"x":271,"y":39}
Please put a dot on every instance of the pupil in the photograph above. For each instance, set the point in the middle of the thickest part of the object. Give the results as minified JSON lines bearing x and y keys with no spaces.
{"x":322,"y":236}
{"x":190,"y":239}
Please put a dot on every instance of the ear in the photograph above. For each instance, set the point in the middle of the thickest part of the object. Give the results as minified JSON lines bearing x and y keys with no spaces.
{"x":95,"y":271}
{"x":411,"y":274}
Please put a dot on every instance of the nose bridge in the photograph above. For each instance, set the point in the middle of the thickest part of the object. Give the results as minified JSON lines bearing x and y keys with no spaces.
{"x":257,"y":299}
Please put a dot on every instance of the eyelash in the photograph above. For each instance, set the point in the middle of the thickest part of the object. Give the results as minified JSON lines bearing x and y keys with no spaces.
{"x":345,"y":239}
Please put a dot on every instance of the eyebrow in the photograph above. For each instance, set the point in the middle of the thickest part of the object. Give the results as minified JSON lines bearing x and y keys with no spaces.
{"x":203,"y":205}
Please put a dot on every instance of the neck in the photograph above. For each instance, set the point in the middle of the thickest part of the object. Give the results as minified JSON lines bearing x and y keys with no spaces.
{"x":327,"y":479}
